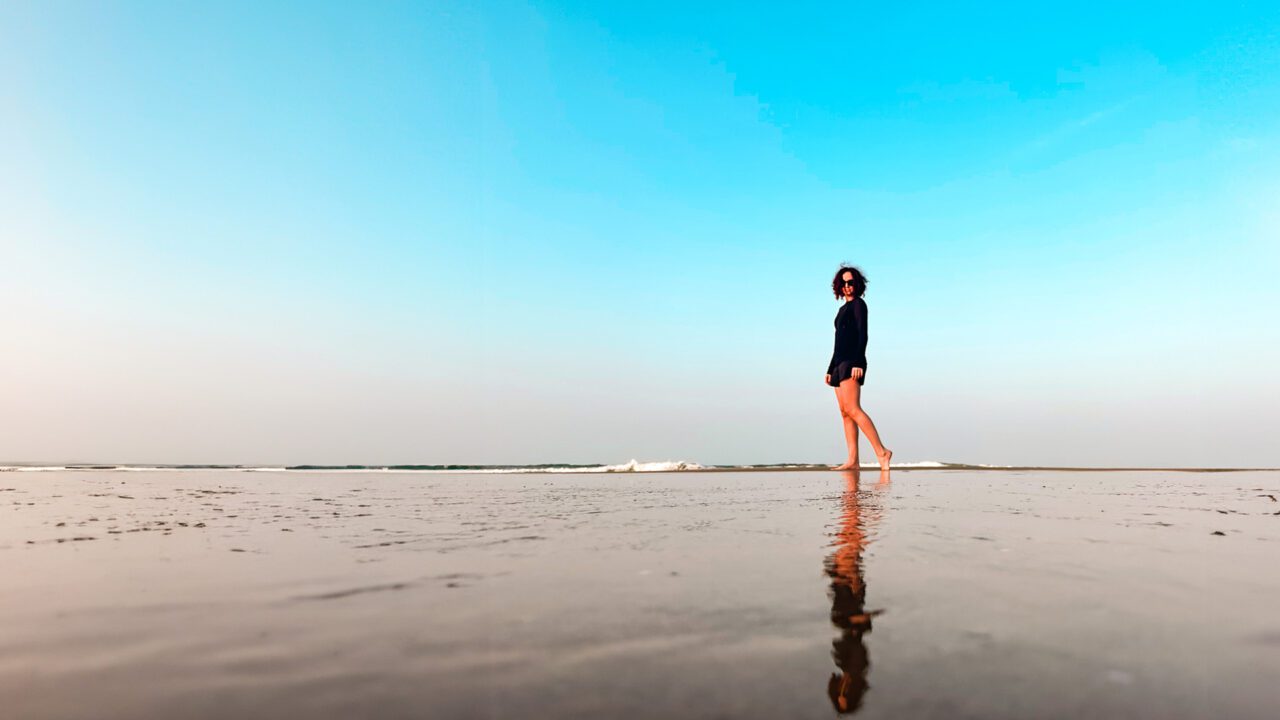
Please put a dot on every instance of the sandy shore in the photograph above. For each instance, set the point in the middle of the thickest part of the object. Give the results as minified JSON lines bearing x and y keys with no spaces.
{"x":216,"y":594}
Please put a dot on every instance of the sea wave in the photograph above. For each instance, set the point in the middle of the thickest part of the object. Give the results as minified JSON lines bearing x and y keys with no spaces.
{"x":921,"y":465}
{"x":637,"y":466}
{"x":634,"y":466}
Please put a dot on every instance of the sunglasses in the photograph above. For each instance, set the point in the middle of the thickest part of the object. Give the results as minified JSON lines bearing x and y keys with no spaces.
{"x":849,"y":283}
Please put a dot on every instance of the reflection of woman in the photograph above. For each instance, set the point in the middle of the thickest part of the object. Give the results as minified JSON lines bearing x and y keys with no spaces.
{"x":848,"y":603}
{"x":847,"y":370}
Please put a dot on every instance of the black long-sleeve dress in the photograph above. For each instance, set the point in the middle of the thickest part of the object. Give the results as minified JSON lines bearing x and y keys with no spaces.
{"x":851,"y":343}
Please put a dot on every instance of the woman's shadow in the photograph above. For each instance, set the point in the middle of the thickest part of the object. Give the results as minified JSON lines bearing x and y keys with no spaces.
{"x":848,"y":593}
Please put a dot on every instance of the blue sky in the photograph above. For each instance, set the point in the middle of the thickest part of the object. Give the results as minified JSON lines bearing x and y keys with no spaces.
{"x":529,"y":232}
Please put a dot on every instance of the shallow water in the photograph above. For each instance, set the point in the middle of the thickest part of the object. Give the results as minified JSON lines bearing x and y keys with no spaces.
{"x":206,"y":594}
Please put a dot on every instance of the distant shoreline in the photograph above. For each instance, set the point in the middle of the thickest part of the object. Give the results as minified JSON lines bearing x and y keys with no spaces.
{"x":594,"y":469}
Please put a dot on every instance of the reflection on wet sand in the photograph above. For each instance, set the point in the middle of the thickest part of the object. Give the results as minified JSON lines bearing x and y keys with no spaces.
{"x":847,"y":687}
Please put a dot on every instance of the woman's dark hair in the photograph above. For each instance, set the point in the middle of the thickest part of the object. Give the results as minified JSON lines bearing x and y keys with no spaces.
{"x":859,"y":281}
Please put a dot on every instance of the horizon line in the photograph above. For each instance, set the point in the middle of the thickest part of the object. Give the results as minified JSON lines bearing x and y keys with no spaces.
{"x":590,"y":468}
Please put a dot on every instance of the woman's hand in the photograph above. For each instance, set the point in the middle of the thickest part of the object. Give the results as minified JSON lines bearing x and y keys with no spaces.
{"x":828,"y":380}
{"x":856,"y":374}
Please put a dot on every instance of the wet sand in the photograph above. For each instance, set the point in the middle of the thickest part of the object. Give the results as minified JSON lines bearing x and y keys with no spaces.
{"x":945,"y":594}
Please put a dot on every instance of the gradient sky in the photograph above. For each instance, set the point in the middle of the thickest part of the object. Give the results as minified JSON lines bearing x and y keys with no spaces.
{"x":545,"y":232}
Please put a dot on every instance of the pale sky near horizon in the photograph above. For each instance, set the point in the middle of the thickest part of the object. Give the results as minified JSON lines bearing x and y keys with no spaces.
{"x":581,"y":232}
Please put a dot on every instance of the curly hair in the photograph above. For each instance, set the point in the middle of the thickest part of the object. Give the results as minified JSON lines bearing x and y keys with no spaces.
{"x":859,"y":281}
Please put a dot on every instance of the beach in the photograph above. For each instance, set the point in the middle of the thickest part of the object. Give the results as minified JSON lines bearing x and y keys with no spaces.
{"x":924,"y":594}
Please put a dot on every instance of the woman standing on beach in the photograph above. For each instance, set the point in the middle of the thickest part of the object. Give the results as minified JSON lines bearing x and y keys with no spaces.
{"x":848,"y":369}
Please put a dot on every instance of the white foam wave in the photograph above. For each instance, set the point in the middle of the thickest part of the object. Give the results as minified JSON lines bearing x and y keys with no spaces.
{"x":664,"y":466}
{"x":632,"y":466}
{"x":921,"y":464}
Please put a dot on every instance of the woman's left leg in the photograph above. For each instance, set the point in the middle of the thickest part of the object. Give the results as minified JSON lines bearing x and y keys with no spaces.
{"x":850,"y":435}
{"x":851,"y":439}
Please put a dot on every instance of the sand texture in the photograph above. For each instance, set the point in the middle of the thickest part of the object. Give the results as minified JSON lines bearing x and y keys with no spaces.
{"x":944,"y":594}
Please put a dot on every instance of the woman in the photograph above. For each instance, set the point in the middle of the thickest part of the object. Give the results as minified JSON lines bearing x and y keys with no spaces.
{"x":848,"y":369}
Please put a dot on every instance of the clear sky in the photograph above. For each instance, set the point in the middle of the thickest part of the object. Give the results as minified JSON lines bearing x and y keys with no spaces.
{"x":544,"y":232}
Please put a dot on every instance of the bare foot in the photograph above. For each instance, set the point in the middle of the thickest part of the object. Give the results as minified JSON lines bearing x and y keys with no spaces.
{"x":884,"y":458}
{"x":850,"y":465}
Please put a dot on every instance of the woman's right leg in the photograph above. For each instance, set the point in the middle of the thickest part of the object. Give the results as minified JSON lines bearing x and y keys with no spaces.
{"x":851,"y":404}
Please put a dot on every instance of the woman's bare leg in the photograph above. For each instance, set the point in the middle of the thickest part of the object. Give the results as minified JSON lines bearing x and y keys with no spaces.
{"x":850,"y":403}
{"x":850,"y":436}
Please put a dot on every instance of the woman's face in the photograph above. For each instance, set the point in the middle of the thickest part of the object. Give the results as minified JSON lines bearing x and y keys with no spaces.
{"x":847,"y":287}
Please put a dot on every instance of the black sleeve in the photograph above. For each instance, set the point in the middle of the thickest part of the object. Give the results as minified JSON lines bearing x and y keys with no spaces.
{"x":835,"y":353}
{"x":860,"y":322}
{"x":835,"y":350}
